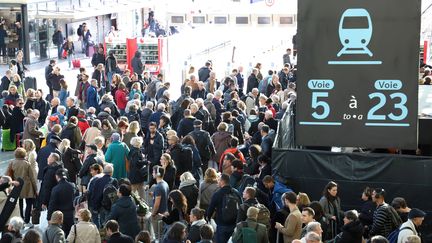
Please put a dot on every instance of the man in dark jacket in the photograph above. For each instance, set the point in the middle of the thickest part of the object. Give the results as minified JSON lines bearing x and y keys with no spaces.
{"x":270,"y":121}
{"x":49,"y":179}
{"x":42,"y":105}
{"x":204,"y":72}
{"x":186,"y":124}
{"x":72,"y":108}
{"x":218,"y":106}
{"x":181,"y":155}
{"x":137,"y":64}
{"x":49,"y":69}
{"x":45,"y":152}
{"x":91,"y":159}
{"x":125,"y":213}
{"x":112,"y":229}
{"x":252,"y":81}
{"x":58,"y":39}
{"x":95,"y":195}
{"x":154,"y":144}
{"x":98,"y":58}
{"x":225,"y":228}
{"x":266,"y":142}
{"x":5,"y":81}
{"x":203,"y":143}
{"x":249,"y":201}
{"x":54,"y":79}
{"x":145,"y":116}
{"x":61,"y":199}
{"x":155,"y":117}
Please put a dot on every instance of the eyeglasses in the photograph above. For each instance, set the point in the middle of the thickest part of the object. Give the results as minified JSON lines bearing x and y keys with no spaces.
{"x":20,"y":103}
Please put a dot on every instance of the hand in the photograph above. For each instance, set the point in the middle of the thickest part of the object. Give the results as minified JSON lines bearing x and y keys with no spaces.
{"x":161,"y":215}
{"x":15,"y":183}
{"x":278,"y":225}
{"x":333,"y":217}
{"x":44,"y":207}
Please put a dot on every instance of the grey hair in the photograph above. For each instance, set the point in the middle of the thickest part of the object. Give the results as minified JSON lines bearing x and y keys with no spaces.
{"x":312,"y":226}
{"x":218,"y":93}
{"x":149,"y":105}
{"x":61,"y":108}
{"x":17,"y":223}
{"x":108,"y":169}
{"x":210,"y":96}
{"x":161,"y":106}
{"x":312,"y":236}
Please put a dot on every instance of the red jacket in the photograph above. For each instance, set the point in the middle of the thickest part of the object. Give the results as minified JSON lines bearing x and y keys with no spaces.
{"x":83,"y":125}
{"x":235,"y":152}
{"x":120,"y":97}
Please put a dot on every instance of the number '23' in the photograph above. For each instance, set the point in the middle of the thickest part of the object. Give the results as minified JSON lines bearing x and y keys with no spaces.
{"x":382,"y":101}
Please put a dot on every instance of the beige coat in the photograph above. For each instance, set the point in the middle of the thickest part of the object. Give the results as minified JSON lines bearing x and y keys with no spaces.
{"x":31,"y":130}
{"x":90,"y":134}
{"x":23,"y":169}
{"x":293,"y":226}
{"x":86,"y":232}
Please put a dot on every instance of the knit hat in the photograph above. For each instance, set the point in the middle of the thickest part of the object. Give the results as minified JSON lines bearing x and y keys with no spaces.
{"x":197,"y":122}
{"x":416,"y":213}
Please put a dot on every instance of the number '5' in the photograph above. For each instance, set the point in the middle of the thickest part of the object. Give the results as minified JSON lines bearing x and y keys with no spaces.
{"x":382,"y":101}
{"x":323,"y":104}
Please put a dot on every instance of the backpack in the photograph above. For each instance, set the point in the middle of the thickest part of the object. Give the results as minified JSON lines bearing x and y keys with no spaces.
{"x":394,"y":216}
{"x":393,"y":236}
{"x":186,"y":158}
{"x":109,"y":195}
{"x":230,"y":206}
{"x":142,"y":207}
{"x":263,"y":215}
{"x":245,"y":181}
{"x":80,"y":30}
{"x":248,"y":234}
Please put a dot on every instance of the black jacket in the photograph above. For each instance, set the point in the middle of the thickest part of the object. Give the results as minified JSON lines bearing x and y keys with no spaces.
{"x":136,"y":163}
{"x":124,"y":211}
{"x":154,"y":151}
{"x":120,"y":238}
{"x":191,"y":194}
{"x":113,"y":107}
{"x":199,"y":94}
{"x":137,"y":65}
{"x":272,"y":123}
{"x":17,"y":125}
{"x":54,"y":81}
{"x":58,"y":38}
{"x":170,"y":176}
{"x":97,"y":59}
{"x":95,"y":195}
{"x":182,"y":157}
{"x":252,"y":83}
{"x":203,"y":143}
{"x":84,"y":172}
{"x":145,"y":118}
{"x":241,"y":215}
{"x":185,"y":126}
{"x":48,"y":183}
{"x":62,"y":196}
{"x":72,"y":163}
{"x":48,"y":70}
{"x":351,"y":233}
{"x":100,"y":77}
{"x":43,"y":155}
{"x":204,"y":73}
{"x":216,"y":204}
{"x":5,"y":82}
{"x":72,"y":111}
{"x":238,"y":130}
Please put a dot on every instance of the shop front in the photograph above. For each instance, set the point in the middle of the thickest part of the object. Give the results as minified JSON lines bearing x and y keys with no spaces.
{"x":11,"y":20}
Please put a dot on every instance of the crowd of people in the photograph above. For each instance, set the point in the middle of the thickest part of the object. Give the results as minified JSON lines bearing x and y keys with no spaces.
{"x":119,"y":160}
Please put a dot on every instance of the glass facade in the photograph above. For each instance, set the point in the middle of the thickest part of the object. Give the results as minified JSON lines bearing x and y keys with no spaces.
{"x":40,"y":37}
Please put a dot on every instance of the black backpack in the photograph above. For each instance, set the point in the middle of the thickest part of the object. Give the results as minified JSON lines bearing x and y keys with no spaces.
{"x":245,"y":181}
{"x":109,"y":195}
{"x":80,"y":30}
{"x":230,"y":206}
{"x":186,"y":158}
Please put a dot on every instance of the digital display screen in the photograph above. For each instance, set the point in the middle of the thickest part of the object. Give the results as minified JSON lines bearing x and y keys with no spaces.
{"x":242,"y":20}
{"x":264,"y":20}
{"x":198,"y":19}
{"x":177,"y":19}
{"x":220,"y":20}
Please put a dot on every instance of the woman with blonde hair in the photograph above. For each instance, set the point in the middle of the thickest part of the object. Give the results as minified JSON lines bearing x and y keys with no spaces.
{"x":189,"y":189}
{"x":170,"y":170}
{"x":132,"y":132}
{"x":207,"y":188}
{"x":17,"y":82}
{"x":30,"y":149}
{"x":84,"y":231}
{"x":21,"y":168}
{"x":302,"y":200}
{"x":137,"y":166}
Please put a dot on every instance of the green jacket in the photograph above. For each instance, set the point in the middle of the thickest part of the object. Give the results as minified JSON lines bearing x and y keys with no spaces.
{"x":262,"y":236}
{"x":116,"y":154}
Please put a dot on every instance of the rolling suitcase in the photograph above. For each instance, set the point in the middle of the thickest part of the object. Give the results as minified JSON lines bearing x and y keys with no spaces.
{"x":7,"y":144}
{"x":30,"y":83}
